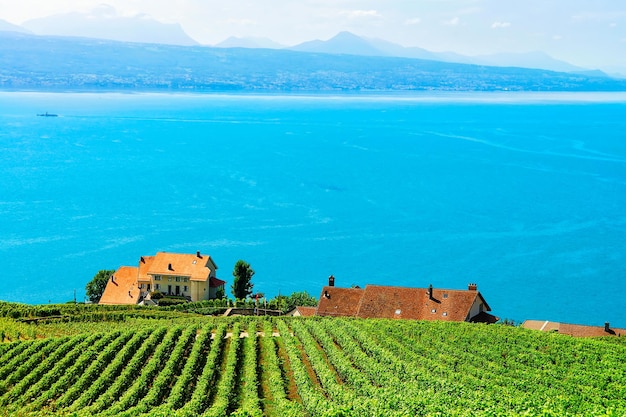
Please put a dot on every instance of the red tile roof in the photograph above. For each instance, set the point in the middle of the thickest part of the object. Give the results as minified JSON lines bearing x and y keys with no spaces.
{"x":216,"y":282}
{"x":377,"y":301}
{"x":306,"y":311}
{"x":575,"y":330}
{"x":122,"y":288}
{"x":339,"y":302}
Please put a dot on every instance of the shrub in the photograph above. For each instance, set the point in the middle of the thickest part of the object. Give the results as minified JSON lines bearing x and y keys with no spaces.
{"x":156,"y":295}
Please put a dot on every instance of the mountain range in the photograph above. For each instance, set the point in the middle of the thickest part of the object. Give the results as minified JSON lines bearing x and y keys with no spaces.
{"x":103,"y":22}
{"x":33,"y":62}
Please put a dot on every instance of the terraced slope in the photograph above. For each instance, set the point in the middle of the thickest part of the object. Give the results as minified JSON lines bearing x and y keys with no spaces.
{"x":313,"y":367}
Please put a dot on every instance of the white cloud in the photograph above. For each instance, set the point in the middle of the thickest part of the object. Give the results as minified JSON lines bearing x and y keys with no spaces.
{"x":452,"y":22}
{"x":358,"y":14}
{"x":413,"y":21}
{"x":500,"y":25}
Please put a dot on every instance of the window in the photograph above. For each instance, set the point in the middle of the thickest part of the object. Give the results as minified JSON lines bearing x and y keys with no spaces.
{"x":157,"y":277}
{"x":185,"y":288}
{"x":445,"y":295}
{"x":157,"y":286}
{"x":434,"y":310}
{"x":185,"y":279}
{"x":445,"y":313}
{"x":177,"y":279}
{"x":169,"y":279}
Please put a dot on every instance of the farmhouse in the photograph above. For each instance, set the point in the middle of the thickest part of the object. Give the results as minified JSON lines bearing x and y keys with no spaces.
{"x":377,"y":301}
{"x":186,"y":275}
{"x":574,"y":330}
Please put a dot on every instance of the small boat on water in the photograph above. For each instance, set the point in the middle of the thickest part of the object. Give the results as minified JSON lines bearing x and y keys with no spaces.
{"x":46,"y":114}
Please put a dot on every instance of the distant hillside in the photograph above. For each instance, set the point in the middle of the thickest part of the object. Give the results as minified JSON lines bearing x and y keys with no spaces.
{"x":349,"y":43}
{"x":10,"y":27}
{"x":48,"y":63}
{"x":103,"y":22}
{"x":342,"y":43}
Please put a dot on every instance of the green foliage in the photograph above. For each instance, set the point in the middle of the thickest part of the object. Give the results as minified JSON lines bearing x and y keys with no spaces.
{"x":194,"y":365}
{"x":95,"y":288}
{"x":220,"y":293}
{"x":242,"y":283}
{"x":171,"y":301}
{"x":302,"y":299}
{"x":287,"y":303}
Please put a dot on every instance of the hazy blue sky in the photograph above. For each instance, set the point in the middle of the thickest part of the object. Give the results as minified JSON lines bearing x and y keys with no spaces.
{"x":590,"y":33}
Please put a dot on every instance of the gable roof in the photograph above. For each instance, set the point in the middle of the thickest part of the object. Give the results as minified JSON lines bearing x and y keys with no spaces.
{"x":416,"y":303}
{"x":339,"y":302}
{"x":197,"y":267}
{"x":377,"y":301}
{"x":145,"y":262}
{"x":302,"y":311}
{"x":574,"y":330}
{"x":122,"y":288}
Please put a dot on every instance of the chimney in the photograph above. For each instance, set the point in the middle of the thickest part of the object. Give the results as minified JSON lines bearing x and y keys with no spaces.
{"x":331,"y":281}
{"x":169,"y":267}
{"x":326,"y":294}
{"x":430,"y":291}
{"x":607,"y":328}
{"x":472,"y":287}
{"x":198,"y":254}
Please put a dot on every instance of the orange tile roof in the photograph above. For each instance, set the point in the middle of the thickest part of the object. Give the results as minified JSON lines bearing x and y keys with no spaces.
{"x":377,"y":301}
{"x":575,"y":330}
{"x":122,"y":288}
{"x":144,"y":266}
{"x":197,"y":268}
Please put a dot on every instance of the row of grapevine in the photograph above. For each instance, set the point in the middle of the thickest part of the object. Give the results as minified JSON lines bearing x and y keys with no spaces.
{"x":98,"y":352}
{"x":100,"y":379}
{"x":312,"y":367}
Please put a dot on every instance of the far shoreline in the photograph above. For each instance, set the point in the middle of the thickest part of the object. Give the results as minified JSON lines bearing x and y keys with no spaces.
{"x":426,"y":96}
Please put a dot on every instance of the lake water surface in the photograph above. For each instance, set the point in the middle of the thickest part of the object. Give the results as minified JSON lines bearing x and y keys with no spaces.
{"x":524,"y":195}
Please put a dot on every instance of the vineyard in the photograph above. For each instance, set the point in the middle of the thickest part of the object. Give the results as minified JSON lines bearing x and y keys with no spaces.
{"x":191,"y":365}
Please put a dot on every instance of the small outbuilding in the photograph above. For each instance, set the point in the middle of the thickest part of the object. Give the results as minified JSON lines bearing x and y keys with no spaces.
{"x":574,"y":330}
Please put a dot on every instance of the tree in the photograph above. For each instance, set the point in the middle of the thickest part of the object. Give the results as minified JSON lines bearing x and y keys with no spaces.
{"x":95,"y":288}
{"x":302,"y":299}
{"x":242,"y":285}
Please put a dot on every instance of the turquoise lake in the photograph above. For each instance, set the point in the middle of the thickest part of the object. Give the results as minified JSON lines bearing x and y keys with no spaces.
{"x":523,"y":194}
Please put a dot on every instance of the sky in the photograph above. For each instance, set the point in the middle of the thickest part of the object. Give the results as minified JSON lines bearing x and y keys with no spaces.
{"x":587,"y":33}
